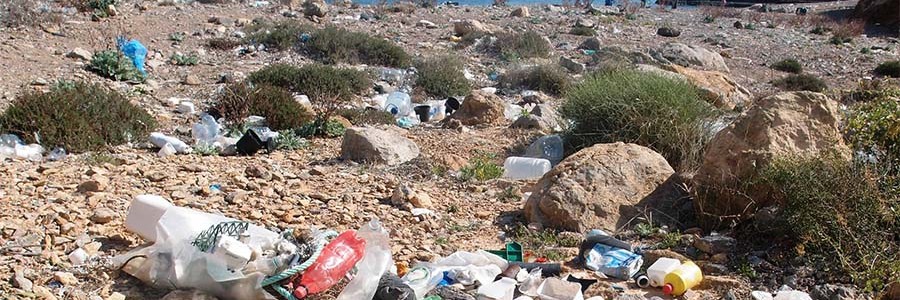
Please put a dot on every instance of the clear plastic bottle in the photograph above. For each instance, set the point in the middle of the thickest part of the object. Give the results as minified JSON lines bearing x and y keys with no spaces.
{"x":376,"y":261}
{"x":549,"y":147}
{"x":398,"y":104}
{"x":338,"y":257}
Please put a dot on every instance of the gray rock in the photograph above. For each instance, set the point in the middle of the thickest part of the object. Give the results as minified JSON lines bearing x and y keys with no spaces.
{"x":572,"y":65}
{"x":591,"y":44}
{"x":20,"y":281}
{"x":79,"y":53}
{"x":833,"y":292}
{"x":690,"y":56}
{"x":584,"y":22}
{"x":372,"y":145}
{"x":714,"y":244}
{"x":604,"y":10}
{"x":315,"y":8}
{"x":668,"y":32}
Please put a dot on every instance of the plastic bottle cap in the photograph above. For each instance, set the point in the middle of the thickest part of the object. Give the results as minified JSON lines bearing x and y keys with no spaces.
{"x":300,"y":292}
{"x":668,"y":289}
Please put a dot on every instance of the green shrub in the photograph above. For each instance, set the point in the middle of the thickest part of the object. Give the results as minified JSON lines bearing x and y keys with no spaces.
{"x":481,"y":168}
{"x":321,"y":83}
{"x":874,"y":127}
{"x":843,"y":216}
{"x":515,"y":46}
{"x":280,"y":36}
{"x":223,"y":43}
{"x":239,"y":101}
{"x":177,"y":37}
{"x":335,"y":45}
{"x":583,"y":31}
{"x":290,"y":140}
{"x":820,"y":30}
{"x":550,"y":79}
{"x":620,"y":105}
{"x":79,"y":117}
{"x":442,"y":77}
{"x":788,"y":65}
{"x":801,"y":82}
{"x":367,"y":116}
{"x":113,"y":65}
{"x":179,"y":59}
{"x":889,"y":69}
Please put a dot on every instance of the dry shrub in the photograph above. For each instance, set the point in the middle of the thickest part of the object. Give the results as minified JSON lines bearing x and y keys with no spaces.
{"x":845,"y":31}
{"x":14,"y":13}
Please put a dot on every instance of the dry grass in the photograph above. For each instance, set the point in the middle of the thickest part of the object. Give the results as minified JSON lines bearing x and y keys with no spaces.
{"x":716,"y":12}
{"x":15,"y":13}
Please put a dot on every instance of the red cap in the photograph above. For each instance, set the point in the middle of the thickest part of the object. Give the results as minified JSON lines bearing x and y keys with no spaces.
{"x":668,"y":289}
{"x":300,"y":292}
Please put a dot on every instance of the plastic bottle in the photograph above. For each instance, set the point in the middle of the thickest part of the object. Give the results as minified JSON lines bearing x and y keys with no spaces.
{"x":549,"y":147}
{"x":398,"y":104}
{"x":338,"y":257}
{"x":58,"y":153}
{"x":376,"y":261}
{"x":685,"y":277}
{"x":662,"y":267}
{"x":525,"y":167}
{"x":206,"y":132}
{"x":160,"y":140}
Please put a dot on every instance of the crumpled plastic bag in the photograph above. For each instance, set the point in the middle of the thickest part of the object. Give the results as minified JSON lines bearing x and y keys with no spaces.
{"x":135,"y":51}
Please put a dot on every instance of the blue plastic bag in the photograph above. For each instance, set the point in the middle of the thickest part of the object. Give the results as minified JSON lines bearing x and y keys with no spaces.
{"x":135,"y":51}
{"x":613,"y":261}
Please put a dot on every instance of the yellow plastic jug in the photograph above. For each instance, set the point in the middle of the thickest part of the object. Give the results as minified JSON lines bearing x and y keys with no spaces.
{"x":685,"y":277}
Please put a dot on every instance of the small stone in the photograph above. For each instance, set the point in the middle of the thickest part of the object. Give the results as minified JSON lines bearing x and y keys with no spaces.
{"x":668,"y":32}
{"x":44,"y":293}
{"x":572,"y":65}
{"x":714,"y":244}
{"x":586,"y":23}
{"x":720,"y":258}
{"x":318,"y":171}
{"x":20,"y":281}
{"x":192,"y":80}
{"x":237,"y":197}
{"x":760,"y":295}
{"x":79,"y":53}
{"x":65,"y":278}
{"x":91,"y":186}
{"x":258,"y":172}
{"x":103,"y":215}
{"x":833,"y":292}
{"x":738,"y":25}
{"x":116,"y":296}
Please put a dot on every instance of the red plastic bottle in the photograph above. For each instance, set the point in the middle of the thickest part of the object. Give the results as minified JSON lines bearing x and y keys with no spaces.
{"x":338,"y":257}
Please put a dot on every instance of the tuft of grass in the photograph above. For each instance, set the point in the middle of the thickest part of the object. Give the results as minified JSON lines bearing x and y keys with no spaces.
{"x":116,"y":66}
{"x":290,"y":140}
{"x":481,"y":168}
{"x":337,"y":45}
{"x":789,"y":65}
{"x":81,"y":117}
{"x":801,"y":82}
{"x":516,"y":46}
{"x":888,"y":69}
{"x":280,"y":36}
{"x":842,"y":214}
{"x":206,"y":150}
{"x":177,"y":37}
{"x":669,"y":240}
{"x":442,"y":77}
{"x":550,"y":79}
{"x":541,"y":242}
{"x":179,"y":59}
{"x":620,"y":105}
{"x":223,"y":43}
{"x":583,"y":31}
{"x":239,"y":101}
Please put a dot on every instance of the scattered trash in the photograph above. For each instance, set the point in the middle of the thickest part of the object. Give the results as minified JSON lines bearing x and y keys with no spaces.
{"x":251,"y":142}
{"x":135,"y":51}
{"x":186,"y":107}
{"x":452,"y":105}
{"x":13,"y":147}
{"x":556,"y":289}
{"x":512,"y":253}
{"x":502,"y":289}
{"x":685,"y":277}
{"x":160,"y":140}
{"x":398,"y":104}
{"x":335,"y":261}
{"x":57,"y":154}
{"x":614,"y":262}
{"x":391,"y":287}
{"x":642,"y":281}
{"x":549,"y":147}
{"x":374,"y":264}
{"x":585,"y":283}
{"x":525,"y":167}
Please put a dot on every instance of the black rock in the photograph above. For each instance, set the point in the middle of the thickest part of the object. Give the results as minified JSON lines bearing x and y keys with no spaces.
{"x":668,"y":32}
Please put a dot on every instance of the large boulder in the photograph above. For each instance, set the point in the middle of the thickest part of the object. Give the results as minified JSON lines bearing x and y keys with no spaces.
{"x":597,"y":187}
{"x":883,"y":11}
{"x":542,"y":117}
{"x":783,"y":125}
{"x":467,"y":27}
{"x":691,"y":56}
{"x":480,"y":108}
{"x":372,"y":145}
{"x":717,"y":88}
{"x":315,"y":8}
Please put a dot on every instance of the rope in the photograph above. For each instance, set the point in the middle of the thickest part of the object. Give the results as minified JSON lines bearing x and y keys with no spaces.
{"x":320,"y":241}
{"x":208,"y":238}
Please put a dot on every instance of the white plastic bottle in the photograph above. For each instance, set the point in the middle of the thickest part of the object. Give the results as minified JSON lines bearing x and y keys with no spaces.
{"x":398,"y":104}
{"x":658,"y":271}
{"x":525,"y":167}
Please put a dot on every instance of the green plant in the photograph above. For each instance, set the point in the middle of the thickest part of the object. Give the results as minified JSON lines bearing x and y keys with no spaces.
{"x":509,"y":194}
{"x":367,"y":116}
{"x":279,"y":36}
{"x":801,"y":82}
{"x":206,"y":150}
{"x":874,"y":127}
{"x":333,"y":45}
{"x":645,"y":230}
{"x":441,"y":241}
{"x":481,"y":168}
{"x":330,"y":128}
{"x":239,"y":101}
{"x":669,"y":240}
{"x":101,"y":4}
{"x":889,"y":69}
{"x":550,"y":79}
{"x":177,"y":37}
{"x":865,"y":50}
{"x":709,"y":19}
{"x":442,"y":77}
{"x":745,"y":269}
{"x":515,"y":46}
{"x":290,"y":140}
{"x":789,"y":65}
{"x":820,"y":30}
{"x":620,"y":105}
{"x":750,"y":26}
{"x":583,"y":31}
{"x":842,"y":215}
{"x":223,"y":43}
{"x":80,"y":118}
{"x":113,"y":65}
{"x":840,"y":39}
{"x":542,"y":241}
{"x":453,"y":208}
{"x":63,"y":84}
{"x":179,"y":59}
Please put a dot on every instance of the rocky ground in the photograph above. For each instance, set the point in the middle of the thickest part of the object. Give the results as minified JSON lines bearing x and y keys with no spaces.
{"x":52,"y":208}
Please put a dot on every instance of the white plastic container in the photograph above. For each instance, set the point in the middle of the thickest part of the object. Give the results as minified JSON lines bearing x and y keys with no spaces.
{"x":398,"y":104}
{"x":144,"y":214}
{"x":525,"y":167}
{"x":502,"y":289}
{"x":232,"y":252}
{"x":557,"y":289}
{"x":658,"y":271}
{"x":160,"y":140}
